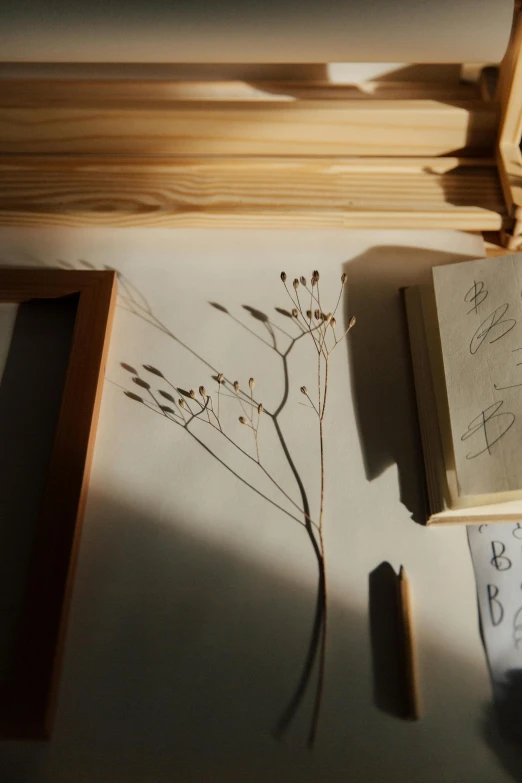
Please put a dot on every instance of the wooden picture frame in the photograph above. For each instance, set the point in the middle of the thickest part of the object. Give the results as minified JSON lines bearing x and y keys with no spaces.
{"x":27,"y":699}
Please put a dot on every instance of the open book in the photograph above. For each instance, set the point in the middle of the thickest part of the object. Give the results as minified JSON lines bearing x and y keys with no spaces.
{"x":466,"y":343}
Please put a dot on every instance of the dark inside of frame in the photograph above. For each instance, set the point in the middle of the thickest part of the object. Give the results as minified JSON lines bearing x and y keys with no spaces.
{"x":37,"y":548}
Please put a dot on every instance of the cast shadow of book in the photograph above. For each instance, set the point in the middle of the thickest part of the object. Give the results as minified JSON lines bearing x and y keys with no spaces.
{"x":381,"y":374}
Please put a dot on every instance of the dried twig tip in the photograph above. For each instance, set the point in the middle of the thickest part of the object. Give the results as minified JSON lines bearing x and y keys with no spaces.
{"x":304,"y":390}
{"x":236,"y":386}
{"x":242,"y":420}
{"x":283,"y":277}
{"x":251,"y":383}
{"x":260,"y":409}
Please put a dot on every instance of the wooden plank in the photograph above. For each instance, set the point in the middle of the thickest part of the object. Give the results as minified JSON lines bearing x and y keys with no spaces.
{"x":96,"y":93}
{"x":510,"y":172}
{"x":315,"y":192}
{"x":510,"y":87}
{"x":231,"y":119}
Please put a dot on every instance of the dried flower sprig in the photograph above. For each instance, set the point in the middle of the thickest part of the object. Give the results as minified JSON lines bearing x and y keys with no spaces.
{"x":319,"y":324}
{"x":324,"y":346}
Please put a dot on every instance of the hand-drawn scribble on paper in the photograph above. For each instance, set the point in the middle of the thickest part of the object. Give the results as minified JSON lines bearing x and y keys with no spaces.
{"x":497,"y":556}
{"x":496,"y":610}
{"x":517,"y":629}
{"x":499,"y":560}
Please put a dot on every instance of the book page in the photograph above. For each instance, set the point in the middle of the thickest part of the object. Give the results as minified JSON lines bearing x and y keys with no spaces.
{"x":479,"y":311}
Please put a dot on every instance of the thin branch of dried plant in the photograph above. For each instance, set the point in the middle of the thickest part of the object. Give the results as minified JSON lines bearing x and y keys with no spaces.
{"x":320,"y":328}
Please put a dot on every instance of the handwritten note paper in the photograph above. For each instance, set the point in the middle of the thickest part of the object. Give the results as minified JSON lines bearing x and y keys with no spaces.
{"x":479,"y":309}
{"x":497,"y":559}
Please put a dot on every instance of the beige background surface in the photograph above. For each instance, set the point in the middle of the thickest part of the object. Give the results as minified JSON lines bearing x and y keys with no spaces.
{"x":194,"y":597}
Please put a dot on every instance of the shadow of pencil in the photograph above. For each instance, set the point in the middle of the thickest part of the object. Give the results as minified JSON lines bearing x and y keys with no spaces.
{"x":388,"y":694}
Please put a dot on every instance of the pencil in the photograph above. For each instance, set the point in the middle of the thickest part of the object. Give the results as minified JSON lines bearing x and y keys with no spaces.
{"x":407,"y":652}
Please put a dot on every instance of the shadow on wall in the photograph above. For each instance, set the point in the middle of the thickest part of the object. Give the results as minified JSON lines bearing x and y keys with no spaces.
{"x":379,"y":355}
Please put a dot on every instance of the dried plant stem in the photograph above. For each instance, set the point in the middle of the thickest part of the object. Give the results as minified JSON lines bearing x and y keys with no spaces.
{"x":256,"y":460}
{"x":321,"y":328}
{"x":324,"y":591}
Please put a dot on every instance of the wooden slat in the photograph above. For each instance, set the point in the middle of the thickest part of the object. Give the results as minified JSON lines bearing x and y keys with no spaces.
{"x":95,"y":93}
{"x":510,"y":87}
{"x":234,"y":118}
{"x":381,"y":193}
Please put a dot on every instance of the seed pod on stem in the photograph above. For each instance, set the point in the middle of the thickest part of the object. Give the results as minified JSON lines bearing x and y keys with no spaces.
{"x":242,"y":420}
{"x":202,"y":391}
{"x":296,"y":283}
{"x":236,"y":386}
{"x":260,"y":409}
{"x":192,"y":394}
{"x":283,"y":277}
{"x":295,"y":313}
{"x":304,"y":390}
{"x":251,"y":383}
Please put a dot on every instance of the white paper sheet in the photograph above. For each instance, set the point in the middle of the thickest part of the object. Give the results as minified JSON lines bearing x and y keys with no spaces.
{"x":496,"y":551}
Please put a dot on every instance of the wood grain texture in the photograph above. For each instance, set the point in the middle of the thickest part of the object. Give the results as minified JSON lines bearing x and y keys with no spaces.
{"x":455,"y":193}
{"x":27,"y":701}
{"x":119,"y":93}
{"x":510,"y":86}
{"x":407,"y":652}
{"x":214,"y":118}
{"x":510,"y":131}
